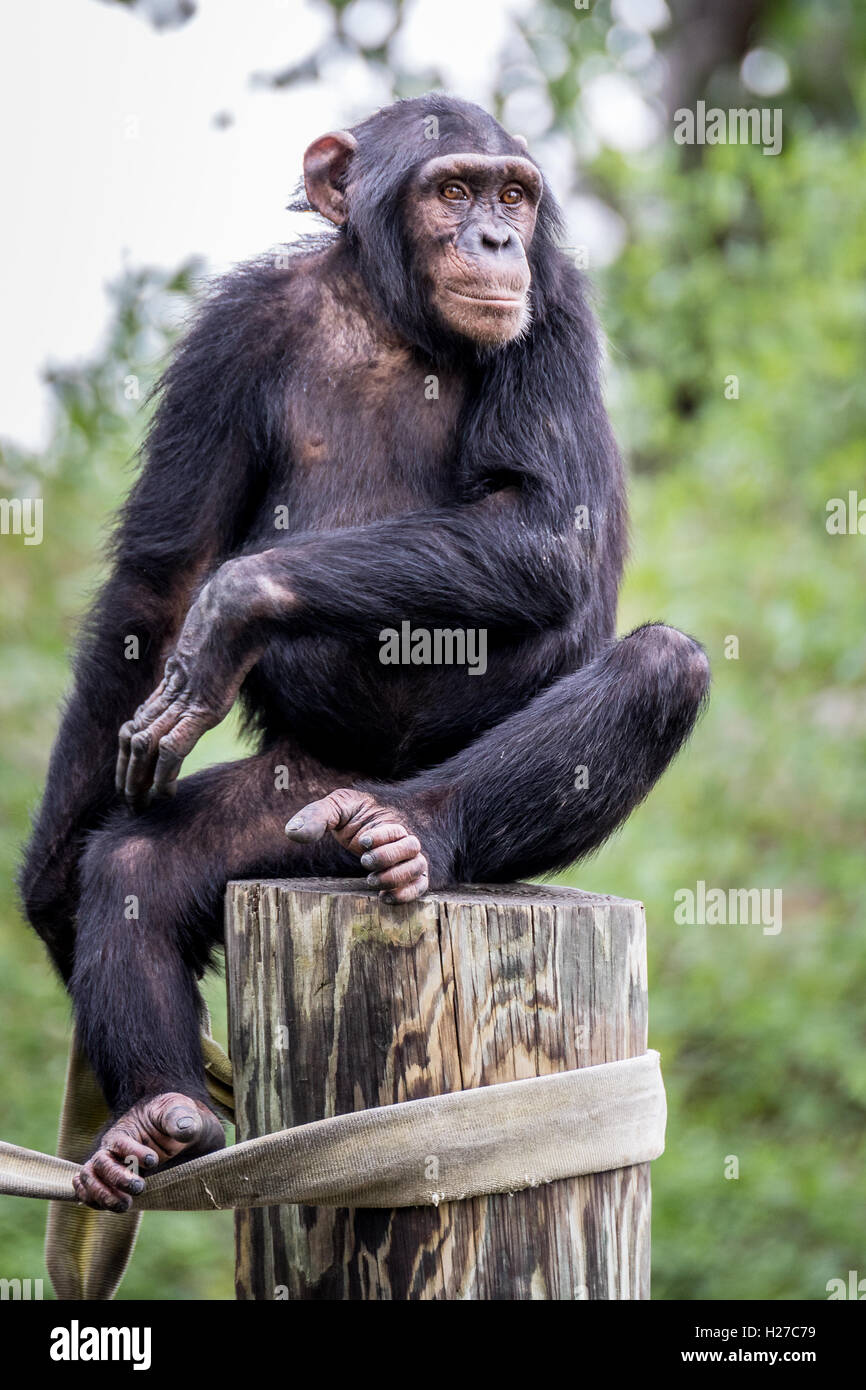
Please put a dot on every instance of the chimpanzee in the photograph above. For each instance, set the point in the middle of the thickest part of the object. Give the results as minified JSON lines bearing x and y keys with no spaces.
{"x":399,"y":422}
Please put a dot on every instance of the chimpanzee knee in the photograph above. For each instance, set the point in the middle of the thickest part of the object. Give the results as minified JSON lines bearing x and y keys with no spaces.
{"x":115,"y":860}
{"x":133,"y":876}
{"x":670,"y":669}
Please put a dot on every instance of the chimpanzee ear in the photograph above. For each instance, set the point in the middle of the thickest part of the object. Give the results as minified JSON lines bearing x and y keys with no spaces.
{"x":325,"y":163}
{"x":522,"y":141}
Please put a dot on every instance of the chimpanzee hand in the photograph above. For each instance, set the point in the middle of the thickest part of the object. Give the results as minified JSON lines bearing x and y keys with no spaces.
{"x":202,"y":677}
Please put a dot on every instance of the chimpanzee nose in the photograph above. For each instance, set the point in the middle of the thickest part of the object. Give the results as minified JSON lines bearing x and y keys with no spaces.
{"x":484,"y":237}
{"x":495,"y":238}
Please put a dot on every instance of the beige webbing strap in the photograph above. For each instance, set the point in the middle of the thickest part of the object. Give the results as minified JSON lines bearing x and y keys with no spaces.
{"x":494,"y":1139}
{"x":86,"y":1251}
{"x":500,"y":1138}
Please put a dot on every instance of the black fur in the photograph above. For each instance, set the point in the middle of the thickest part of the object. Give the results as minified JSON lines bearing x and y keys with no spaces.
{"x":458,"y":513}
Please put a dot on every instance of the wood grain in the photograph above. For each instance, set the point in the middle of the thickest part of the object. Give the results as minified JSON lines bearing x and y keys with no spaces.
{"x":338,"y":1003}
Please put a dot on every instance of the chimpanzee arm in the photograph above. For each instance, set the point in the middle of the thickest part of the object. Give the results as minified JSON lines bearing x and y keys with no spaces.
{"x":479,"y":565}
{"x":180,"y":520}
{"x":484,"y":565}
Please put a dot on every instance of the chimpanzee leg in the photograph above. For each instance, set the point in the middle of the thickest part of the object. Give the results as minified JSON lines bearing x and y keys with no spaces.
{"x":552,"y":782}
{"x":149,"y":917}
{"x":535,"y":793}
{"x":150,"y":912}
{"x":545,"y":786}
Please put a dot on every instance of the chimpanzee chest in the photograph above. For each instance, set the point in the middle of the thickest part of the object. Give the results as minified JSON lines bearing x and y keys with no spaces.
{"x":371,"y":439}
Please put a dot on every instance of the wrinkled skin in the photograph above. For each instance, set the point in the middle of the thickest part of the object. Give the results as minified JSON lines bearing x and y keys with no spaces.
{"x":202,"y":678}
{"x":149,"y":1135}
{"x":476,"y":214}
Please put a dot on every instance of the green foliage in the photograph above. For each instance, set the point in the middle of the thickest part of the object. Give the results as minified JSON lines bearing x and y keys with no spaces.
{"x":753,"y":267}
{"x":741,"y":265}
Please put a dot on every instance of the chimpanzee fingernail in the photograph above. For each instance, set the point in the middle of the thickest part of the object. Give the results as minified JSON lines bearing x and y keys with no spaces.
{"x":366,"y":842}
{"x":372,"y":879}
{"x":296,"y":824}
{"x":136,"y":1186}
{"x":367,"y":861}
{"x":151,"y":1161}
{"x":387,"y":897}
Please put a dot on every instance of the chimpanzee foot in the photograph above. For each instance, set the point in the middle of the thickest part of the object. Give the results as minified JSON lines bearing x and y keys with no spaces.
{"x":376,"y":833}
{"x":150,"y":1134}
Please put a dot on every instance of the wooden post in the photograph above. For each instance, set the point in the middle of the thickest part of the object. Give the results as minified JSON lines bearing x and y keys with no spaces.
{"x":339,"y":1004}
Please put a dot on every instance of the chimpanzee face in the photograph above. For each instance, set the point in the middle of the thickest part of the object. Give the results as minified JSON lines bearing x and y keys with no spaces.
{"x":470,"y":220}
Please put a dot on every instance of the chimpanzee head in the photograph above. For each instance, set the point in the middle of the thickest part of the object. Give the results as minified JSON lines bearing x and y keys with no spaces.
{"x":446,"y":215}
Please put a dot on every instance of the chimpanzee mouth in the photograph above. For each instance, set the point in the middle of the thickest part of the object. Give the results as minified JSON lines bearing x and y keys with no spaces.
{"x":508,"y":300}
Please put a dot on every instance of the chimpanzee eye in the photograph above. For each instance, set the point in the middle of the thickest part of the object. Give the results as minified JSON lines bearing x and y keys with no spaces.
{"x":453,"y":192}
{"x":511,"y":196}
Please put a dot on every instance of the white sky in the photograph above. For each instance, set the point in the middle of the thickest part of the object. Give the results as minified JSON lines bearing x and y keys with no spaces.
{"x":109,"y":151}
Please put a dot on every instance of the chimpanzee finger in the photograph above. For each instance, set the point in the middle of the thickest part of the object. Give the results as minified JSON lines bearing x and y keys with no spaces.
{"x":142,"y":759}
{"x":173,"y":748}
{"x":80,"y":1189}
{"x":123,"y":1146}
{"x":310,"y":823}
{"x":115,"y":1175}
{"x":144,"y":752}
{"x":408,"y":892}
{"x":374,"y":835}
{"x":394,"y":853}
{"x":95,"y":1193}
{"x":400,"y":874}
{"x":124,"y":740}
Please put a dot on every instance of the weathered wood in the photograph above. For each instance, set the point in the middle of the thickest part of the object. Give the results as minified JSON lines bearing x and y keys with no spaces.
{"x":338,"y":1004}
